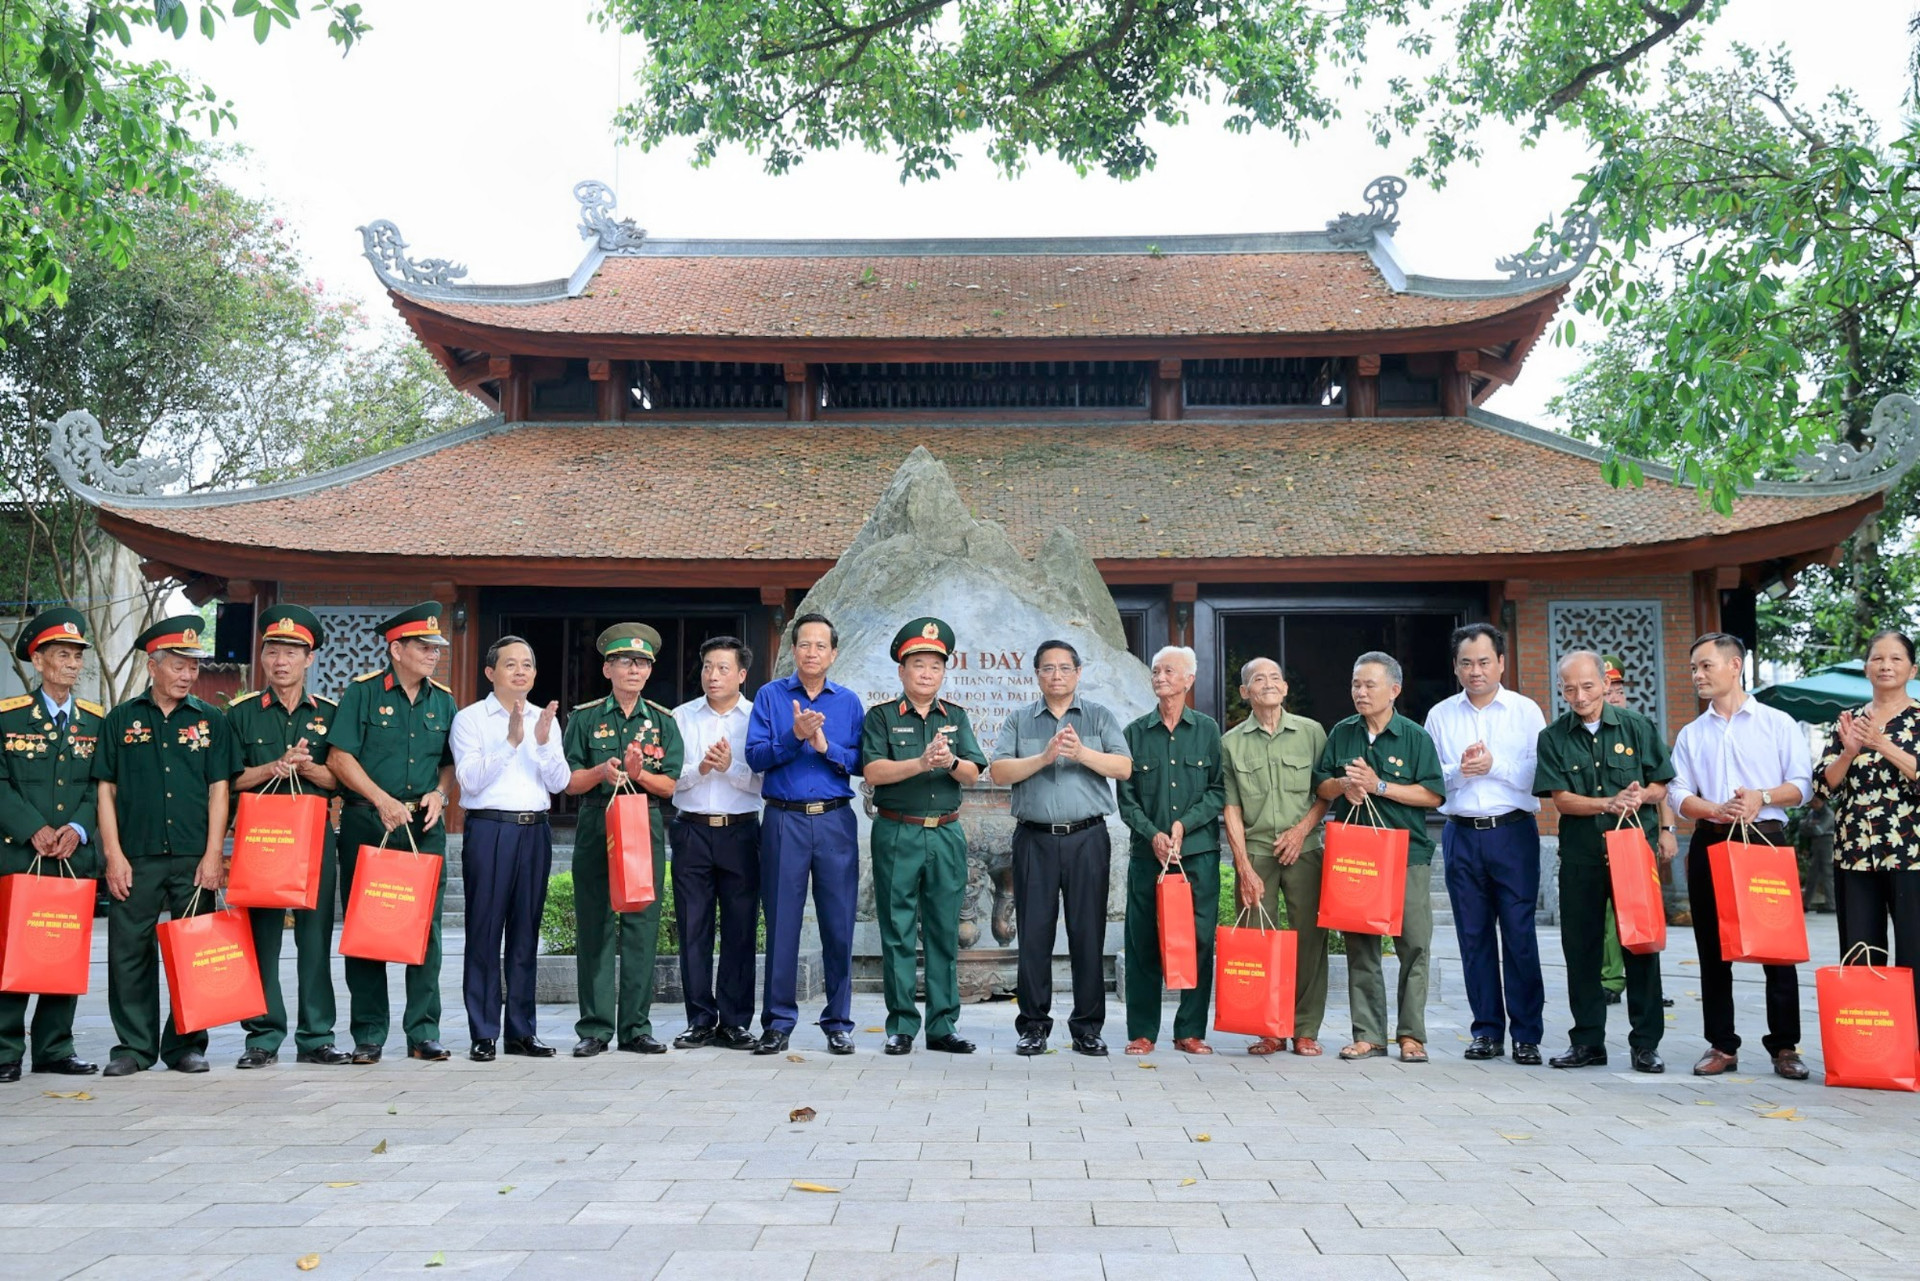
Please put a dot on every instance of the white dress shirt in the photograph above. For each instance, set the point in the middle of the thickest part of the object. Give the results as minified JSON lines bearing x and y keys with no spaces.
{"x":735,"y":790}
{"x":1758,"y":747}
{"x":1510,"y":726}
{"x":497,"y":776}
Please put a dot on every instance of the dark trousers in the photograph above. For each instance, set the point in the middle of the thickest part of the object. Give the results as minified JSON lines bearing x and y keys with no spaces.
{"x":313,"y":966}
{"x":1820,"y":877}
{"x":1493,"y":879}
{"x":1867,"y":899}
{"x":504,"y":867}
{"x":1716,"y":975}
{"x":1046,"y":867}
{"x":717,"y":869}
{"x":796,"y":848}
{"x":52,"y":1015}
{"x":161,"y":883}
{"x":1586,"y":890}
{"x":1145,"y":979}
{"x":369,"y":1004}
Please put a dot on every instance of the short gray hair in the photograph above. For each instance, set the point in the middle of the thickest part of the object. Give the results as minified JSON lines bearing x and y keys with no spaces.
{"x":1178,"y":651}
{"x":1575,"y":655}
{"x":1388,"y":663}
{"x":1246,"y":669}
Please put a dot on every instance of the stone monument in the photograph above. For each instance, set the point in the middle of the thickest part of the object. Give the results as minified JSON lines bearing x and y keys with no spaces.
{"x":923,"y":552}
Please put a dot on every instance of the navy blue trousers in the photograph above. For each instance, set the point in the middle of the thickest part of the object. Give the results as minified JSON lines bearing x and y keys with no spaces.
{"x":796,"y":848}
{"x":1493,"y":878}
{"x":717,"y":868}
{"x":505,"y":869}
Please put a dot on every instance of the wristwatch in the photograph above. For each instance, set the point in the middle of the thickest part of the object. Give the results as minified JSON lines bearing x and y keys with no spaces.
{"x":1380,"y":786}
{"x":441,"y":792}
{"x":1766,"y":797}
{"x":1669,"y":827}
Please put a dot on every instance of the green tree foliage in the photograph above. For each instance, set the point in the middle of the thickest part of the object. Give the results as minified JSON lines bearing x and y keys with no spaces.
{"x":82,"y":118}
{"x":209,"y":345}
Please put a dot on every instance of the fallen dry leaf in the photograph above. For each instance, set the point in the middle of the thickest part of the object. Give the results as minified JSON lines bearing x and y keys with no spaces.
{"x":796,"y":1058}
{"x":307,"y":1262}
{"x":1203,"y":1138}
{"x":874,"y":1029}
{"x":392,"y":1110}
{"x":802,"y":1114}
{"x":801,"y":1185}
{"x":1187,"y":1183}
{"x":1783,"y":1114}
{"x":439,"y":1259}
{"x":1147,"y":1067}
{"x":348,"y":1184}
{"x":380,"y":1148}
{"x":1703,"y":1103}
{"x":507,"y":1189}
{"x":1515,"y":1137}
{"x":81,"y":1095}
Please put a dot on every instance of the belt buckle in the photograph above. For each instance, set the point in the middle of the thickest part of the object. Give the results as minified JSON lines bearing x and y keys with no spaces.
{"x":1481,"y":824}
{"x":1059,"y":829}
{"x":931,"y":821}
{"x":716,"y":820}
{"x":815,"y":807}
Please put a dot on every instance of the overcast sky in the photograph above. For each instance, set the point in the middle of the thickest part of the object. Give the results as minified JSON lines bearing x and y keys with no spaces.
{"x":467,"y":122}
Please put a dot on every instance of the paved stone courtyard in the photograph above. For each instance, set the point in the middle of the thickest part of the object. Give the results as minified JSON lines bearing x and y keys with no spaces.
{"x":1060,"y":1167}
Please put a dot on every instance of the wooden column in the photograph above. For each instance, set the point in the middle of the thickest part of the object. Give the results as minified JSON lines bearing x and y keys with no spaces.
{"x":775,"y":599}
{"x":1456,"y":384}
{"x":1180,"y":622}
{"x":1363,"y":387}
{"x":610,"y":389}
{"x":1166,"y":401}
{"x":803,"y":392}
{"x":460,"y":667}
{"x":516,"y":387}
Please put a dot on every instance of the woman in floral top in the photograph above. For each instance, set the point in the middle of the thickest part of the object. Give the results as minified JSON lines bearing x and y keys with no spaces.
{"x":1871,"y":778}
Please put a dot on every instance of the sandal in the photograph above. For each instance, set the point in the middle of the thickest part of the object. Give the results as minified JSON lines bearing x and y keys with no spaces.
{"x":1267,"y":1045}
{"x":1192,"y":1045}
{"x":1411,"y":1051}
{"x":1307,"y":1046}
{"x":1140,"y":1045}
{"x":1363,"y":1050}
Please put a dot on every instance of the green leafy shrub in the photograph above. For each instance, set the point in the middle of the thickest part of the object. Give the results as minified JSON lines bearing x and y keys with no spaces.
{"x":559,"y":923}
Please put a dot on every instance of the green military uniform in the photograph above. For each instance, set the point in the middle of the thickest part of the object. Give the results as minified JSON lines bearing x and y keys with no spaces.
{"x":1626,"y":750}
{"x":919,"y":862}
{"x":163,"y":765}
{"x":606,"y":941}
{"x":1178,"y":776}
{"x":1613,"y":966}
{"x":1400,"y":753}
{"x":265,"y":730}
{"x":1269,"y":779}
{"x":402,"y":744}
{"x":46,"y":781}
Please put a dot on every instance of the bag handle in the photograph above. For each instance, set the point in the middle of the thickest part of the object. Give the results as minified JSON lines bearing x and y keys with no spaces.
{"x":1867,"y":950}
{"x":193,"y":903}
{"x":1367,"y":810}
{"x":1167,"y":869}
{"x":1748,"y":832}
{"x":408,"y":828}
{"x":1259,"y":904}
{"x":64,"y":864}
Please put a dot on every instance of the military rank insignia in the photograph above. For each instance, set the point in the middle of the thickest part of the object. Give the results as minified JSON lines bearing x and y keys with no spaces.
{"x":83,"y":746}
{"x":137,"y":733}
{"x":195,"y":737}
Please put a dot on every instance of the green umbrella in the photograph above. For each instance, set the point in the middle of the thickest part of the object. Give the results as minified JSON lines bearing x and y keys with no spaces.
{"x":1820,"y":698}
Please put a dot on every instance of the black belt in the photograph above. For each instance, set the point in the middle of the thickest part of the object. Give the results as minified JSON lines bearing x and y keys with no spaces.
{"x":1487,"y":824}
{"x":809,"y":807}
{"x":1766,"y":827}
{"x":517,"y":818}
{"x":715,"y":820}
{"x":921,"y":820}
{"x":1063,"y":829}
{"x":356,"y":801}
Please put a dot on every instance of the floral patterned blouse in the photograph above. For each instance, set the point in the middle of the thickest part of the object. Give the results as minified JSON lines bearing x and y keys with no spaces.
{"x":1877,"y":811}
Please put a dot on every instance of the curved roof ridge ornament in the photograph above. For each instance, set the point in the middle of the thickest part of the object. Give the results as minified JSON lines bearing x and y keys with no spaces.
{"x":1893,"y":437}
{"x":386,"y":249}
{"x":77,"y":448}
{"x":1565,"y":252}
{"x":597,"y":222}
{"x":1355,"y":231}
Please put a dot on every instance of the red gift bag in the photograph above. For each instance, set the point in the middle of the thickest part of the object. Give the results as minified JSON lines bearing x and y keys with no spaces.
{"x":1253,"y":979}
{"x":389,"y":913}
{"x":1639,"y":911}
{"x":1756,"y":886}
{"x":212,"y":974}
{"x":1363,"y":877}
{"x":1868,"y":1033}
{"x":278,"y":841}
{"x":46,"y":932}
{"x":630,"y":852}
{"x":1179,"y":948}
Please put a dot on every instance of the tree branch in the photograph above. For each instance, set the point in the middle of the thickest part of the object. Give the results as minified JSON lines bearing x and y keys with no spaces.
{"x":1123,"y":24}
{"x":838,"y":33}
{"x":1664,"y":25}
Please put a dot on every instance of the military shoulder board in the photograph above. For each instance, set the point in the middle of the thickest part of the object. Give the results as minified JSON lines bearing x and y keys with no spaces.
{"x":91,"y":709}
{"x":365,"y":676}
{"x":15,"y":703}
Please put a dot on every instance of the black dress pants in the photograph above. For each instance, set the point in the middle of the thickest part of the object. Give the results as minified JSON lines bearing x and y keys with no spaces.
{"x":1867,"y":899}
{"x":717,"y":867}
{"x":1046,"y":869}
{"x":1716,"y":975}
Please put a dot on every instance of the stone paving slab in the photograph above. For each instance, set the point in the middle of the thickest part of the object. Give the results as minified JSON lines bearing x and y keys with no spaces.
{"x":685,"y":1165}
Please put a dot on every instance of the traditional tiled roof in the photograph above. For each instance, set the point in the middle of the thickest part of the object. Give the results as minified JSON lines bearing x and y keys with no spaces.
{"x":984,"y":295}
{"x":1133,"y":492}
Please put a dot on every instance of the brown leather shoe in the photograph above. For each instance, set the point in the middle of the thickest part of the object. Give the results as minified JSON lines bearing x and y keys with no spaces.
{"x":1139,"y":1045}
{"x":1788,"y":1063}
{"x":1267,"y":1045}
{"x":1192,"y":1045}
{"x":1713,"y":1063}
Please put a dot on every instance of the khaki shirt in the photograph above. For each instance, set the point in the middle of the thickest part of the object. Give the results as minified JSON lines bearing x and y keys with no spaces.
{"x":1270,"y":777}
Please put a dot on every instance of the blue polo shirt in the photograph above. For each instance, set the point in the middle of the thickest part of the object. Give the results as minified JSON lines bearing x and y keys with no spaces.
{"x":793,"y":770}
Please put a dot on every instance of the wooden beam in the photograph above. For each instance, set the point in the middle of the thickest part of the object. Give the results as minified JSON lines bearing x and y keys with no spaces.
{"x":1363,"y":386}
{"x":612,"y":393}
{"x":1166,"y":398}
{"x":803,"y":390}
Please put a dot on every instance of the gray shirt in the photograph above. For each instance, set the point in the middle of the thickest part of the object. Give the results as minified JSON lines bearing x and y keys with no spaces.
{"x":1064,"y":791}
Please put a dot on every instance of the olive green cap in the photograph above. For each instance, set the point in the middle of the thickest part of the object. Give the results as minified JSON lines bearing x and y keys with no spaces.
{"x":629,"y":638}
{"x":293,"y":624}
{"x":62,"y":625}
{"x":422,"y":622}
{"x":922,"y":636}
{"x":183,"y":634}
{"x":1613,"y":669}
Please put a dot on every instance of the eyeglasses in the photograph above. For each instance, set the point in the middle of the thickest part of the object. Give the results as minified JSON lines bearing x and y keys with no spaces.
{"x":630,"y":660}
{"x":1058,"y":669}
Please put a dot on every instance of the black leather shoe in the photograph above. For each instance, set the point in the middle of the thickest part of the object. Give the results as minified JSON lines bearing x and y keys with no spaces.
{"x":695,"y":1037}
{"x":326,"y":1054}
{"x":1579,"y":1056}
{"x":951,"y":1043}
{"x":1091,"y":1046}
{"x":735,"y":1038}
{"x":365,"y":1054}
{"x":191,"y":1063}
{"x":121,"y":1067}
{"x":1482,"y":1048}
{"x":772,"y":1042}
{"x":839,"y":1043}
{"x":72,"y":1065}
{"x":1526,"y":1054}
{"x":643,"y":1044}
{"x":430,"y":1051}
{"x":9,"y":1072}
{"x":1029,"y":1044}
{"x":898,"y":1044}
{"x":1647,"y":1061}
{"x":1613,"y":998}
{"x":257,"y":1058}
{"x":531,"y":1047}
{"x":588,"y":1046}
{"x":482,"y":1051}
